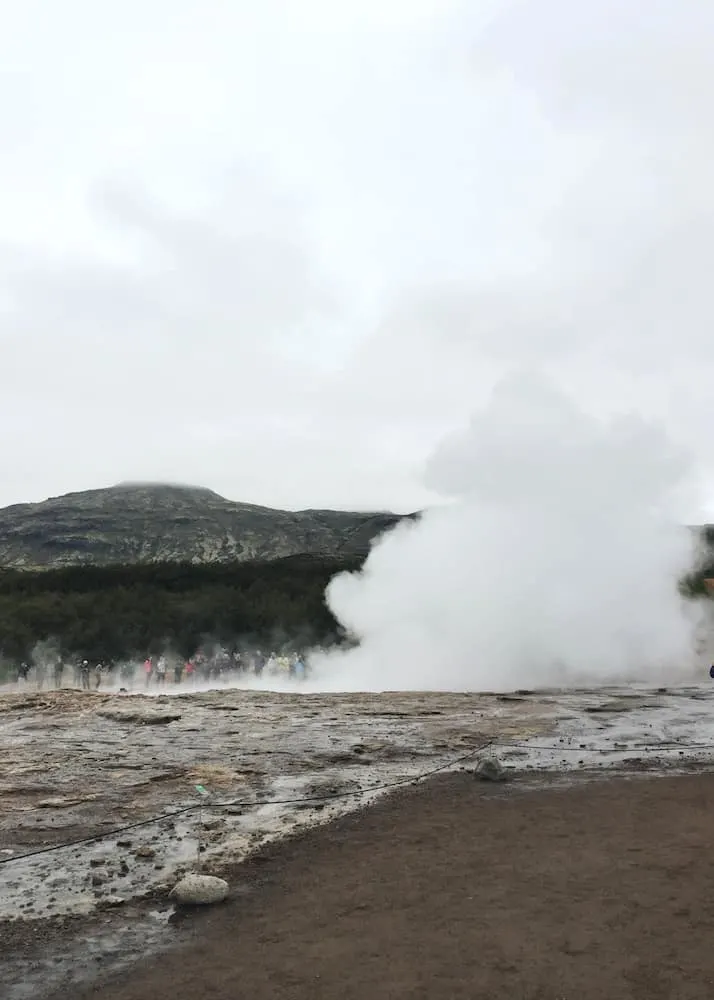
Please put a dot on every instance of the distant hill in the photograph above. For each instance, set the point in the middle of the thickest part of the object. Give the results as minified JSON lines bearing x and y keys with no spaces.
{"x":157,"y":522}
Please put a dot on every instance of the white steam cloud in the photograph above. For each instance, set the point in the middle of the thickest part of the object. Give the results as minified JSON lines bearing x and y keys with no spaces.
{"x":557,"y":562}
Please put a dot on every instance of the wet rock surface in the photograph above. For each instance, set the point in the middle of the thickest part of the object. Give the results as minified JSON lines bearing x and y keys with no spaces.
{"x":141,"y":806}
{"x":145,"y":717}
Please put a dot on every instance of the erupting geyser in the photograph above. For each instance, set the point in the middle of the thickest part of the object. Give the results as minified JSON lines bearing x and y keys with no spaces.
{"x":556,"y":562}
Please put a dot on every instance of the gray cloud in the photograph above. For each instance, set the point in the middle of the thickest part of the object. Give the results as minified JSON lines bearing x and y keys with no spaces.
{"x":285,"y":252}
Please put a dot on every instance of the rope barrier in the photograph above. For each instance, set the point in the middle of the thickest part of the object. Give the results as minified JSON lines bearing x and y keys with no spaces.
{"x":249,"y":803}
{"x":351,"y":793}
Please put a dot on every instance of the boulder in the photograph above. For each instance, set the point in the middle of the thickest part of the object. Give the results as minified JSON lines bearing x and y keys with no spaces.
{"x":490,"y":769}
{"x":199,"y":890}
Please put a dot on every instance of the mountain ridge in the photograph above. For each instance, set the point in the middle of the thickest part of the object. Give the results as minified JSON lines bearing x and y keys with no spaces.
{"x":148,"y":522}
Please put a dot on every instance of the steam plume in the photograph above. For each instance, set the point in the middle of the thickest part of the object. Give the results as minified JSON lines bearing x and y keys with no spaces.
{"x":556,"y":562}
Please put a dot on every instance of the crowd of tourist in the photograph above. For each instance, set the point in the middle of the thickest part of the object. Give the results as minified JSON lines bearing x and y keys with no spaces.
{"x":222,"y":667}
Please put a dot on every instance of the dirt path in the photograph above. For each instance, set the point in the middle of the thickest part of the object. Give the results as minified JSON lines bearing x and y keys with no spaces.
{"x":463,"y":891}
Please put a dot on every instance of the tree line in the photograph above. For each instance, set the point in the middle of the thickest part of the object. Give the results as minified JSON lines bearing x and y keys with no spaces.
{"x":122,"y":612}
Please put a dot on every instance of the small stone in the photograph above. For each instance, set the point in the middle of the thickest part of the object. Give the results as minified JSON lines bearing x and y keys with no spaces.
{"x":145,"y":852}
{"x":114,"y":901}
{"x":97,"y":880}
{"x":124,"y":843}
{"x":97,"y":862}
{"x":199,"y":890}
{"x":490,"y":769}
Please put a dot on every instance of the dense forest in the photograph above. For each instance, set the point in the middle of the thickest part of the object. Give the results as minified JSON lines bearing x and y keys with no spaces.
{"x":122,"y":612}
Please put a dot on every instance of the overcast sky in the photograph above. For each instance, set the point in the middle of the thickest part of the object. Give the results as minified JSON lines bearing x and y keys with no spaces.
{"x":281,"y":249}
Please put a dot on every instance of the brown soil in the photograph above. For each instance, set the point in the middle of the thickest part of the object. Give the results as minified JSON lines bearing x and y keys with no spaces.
{"x":459,"y":890}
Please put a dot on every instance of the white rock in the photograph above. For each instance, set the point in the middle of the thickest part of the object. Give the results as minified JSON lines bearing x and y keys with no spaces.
{"x":199,"y":890}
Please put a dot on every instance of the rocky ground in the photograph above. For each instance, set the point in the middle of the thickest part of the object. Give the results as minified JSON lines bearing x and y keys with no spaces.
{"x":122,"y":793}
